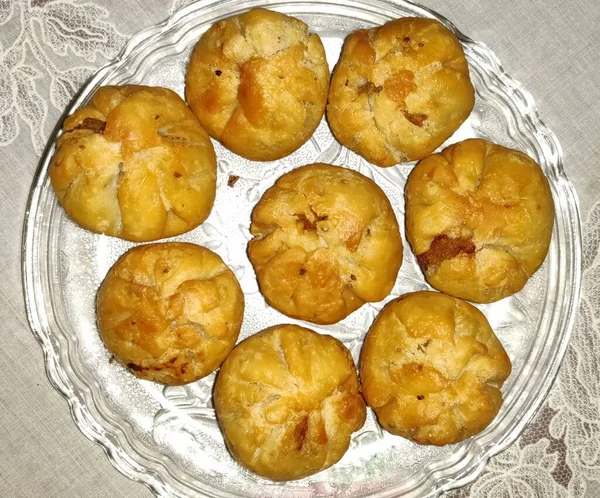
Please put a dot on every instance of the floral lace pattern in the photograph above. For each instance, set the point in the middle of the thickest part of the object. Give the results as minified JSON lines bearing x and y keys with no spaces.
{"x":559,"y":452}
{"x":52,"y":47}
{"x":32,"y":71}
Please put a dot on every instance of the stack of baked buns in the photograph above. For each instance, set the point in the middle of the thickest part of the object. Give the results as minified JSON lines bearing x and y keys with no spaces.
{"x":137,"y":163}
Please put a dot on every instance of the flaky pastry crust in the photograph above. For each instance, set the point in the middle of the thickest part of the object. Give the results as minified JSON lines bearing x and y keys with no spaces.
{"x":479,"y":218}
{"x":432,"y":368}
{"x":326,"y":241}
{"x":288,"y":400}
{"x":170,"y":312}
{"x":135,"y":163}
{"x":399,"y":90}
{"x":258,"y":83}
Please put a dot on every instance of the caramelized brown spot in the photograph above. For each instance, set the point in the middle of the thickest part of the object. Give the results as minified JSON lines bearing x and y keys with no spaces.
{"x":300,"y":433}
{"x":350,"y":407}
{"x":250,"y":98}
{"x":369,"y":88}
{"x":316,"y":215}
{"x":157,"y":116}
{"x":165,"y":270}
{"x":399,"y":86}
{"x":232,"y":180}
{"x":353,"y":241}
{"x":307,"y":225}
{"x":406,"y":39}
{"x":442,"y":248}
{"x":363,"y":52}
{"x":352,"y":277}
{"x":184,"y":367}
{"x":302,"y":271}
{"x":368,"y":232}
{"x":173,"y":360}
{"x":321,"y":434}
{"x":416,"y":119}
{"x":82,"y":147}
{"x":134,"y":367}
{"x":96,"y":125}
{"x":420,"y":397}
{"x":218,"y":72}
{"x":177,"y":174}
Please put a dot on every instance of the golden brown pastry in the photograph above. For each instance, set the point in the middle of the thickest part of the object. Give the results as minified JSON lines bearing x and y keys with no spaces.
{"x":432,"y":368}
{"x":258,"y":83}
{"x":136,"y":164}
{"x":325,"y":242}
{"x":170,"y":312}
{"x":399,"y":90}
{"x":479,"y":219}
{"x":288,"y":400}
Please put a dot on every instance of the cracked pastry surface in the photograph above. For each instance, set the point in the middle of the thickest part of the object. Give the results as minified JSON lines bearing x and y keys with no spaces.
{"x":288,"y":401}
{"x":399,"y":90}
{"x":135,"y":163}
{"x":170,"y":312}
{"x":479,"y":219}
{"x":431,"y":368}
{"x":326,"y":241}
{"x":258,"y":83}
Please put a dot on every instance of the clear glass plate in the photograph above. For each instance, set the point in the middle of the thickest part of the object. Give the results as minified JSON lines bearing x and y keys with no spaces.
{"x":167,"y":438}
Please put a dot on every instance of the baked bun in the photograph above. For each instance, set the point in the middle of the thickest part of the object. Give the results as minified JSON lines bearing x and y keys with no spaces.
{"x":325,"y":242}
{"x":432,"y":369}
{"x":399,"y":90}
{"x":288,"y":400}
{"x":135,"y":163}
{"x":170,"y":312}
{"x":258,"y":83}
{"x":479,"y":219}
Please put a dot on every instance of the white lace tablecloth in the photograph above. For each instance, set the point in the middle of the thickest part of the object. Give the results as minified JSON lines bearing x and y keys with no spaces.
{"x":47,"y":50}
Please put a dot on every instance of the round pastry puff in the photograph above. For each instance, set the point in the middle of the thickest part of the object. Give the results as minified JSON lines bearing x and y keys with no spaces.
{"x":326,"y":241}
{"x":258,"y":83}
{"x":399,"y":90}
{"x":135,"y":163}
{"x":288,"y":400}
{"x":479,"y":219}
{"x":170,"y":312}
{"x":432,"y":368}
